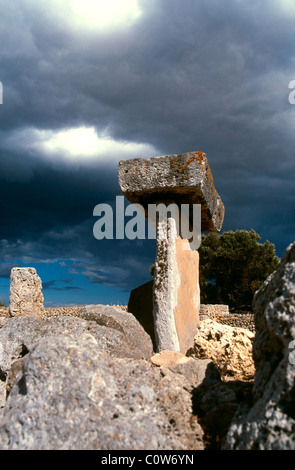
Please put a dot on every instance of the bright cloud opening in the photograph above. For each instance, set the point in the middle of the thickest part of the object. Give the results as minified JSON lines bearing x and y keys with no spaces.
{"x":102,"y":14}
{"x":287,"y":7}
{"x":78,"y":144}
{"x":72,"y":142}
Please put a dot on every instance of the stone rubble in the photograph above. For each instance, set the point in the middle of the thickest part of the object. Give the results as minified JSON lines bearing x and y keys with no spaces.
{"x":230,"y":348}
{"x":269,"y":423}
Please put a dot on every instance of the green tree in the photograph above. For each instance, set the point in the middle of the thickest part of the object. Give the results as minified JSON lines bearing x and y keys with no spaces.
{"x":233,"y":266}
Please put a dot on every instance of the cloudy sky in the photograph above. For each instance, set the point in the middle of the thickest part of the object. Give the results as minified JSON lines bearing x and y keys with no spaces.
{"x":89,"y":83}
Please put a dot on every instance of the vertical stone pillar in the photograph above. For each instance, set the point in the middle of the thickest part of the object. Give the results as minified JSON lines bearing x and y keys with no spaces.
{"x":176,"y":289}
{"x":25,"y":295}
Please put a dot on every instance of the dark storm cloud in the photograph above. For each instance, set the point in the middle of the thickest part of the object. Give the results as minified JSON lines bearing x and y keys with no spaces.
{"x":210,"y":76}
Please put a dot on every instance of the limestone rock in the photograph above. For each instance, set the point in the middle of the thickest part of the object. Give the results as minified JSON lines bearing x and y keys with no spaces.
{"x":169,"y":359}
{"x":193,"y":369}
{"x":184,"y":178}
{"x":17,"y":337}
{"x":270,"y":423}
{"x":117,"y":333}
{"x":71,"y":395}
{"x":25,"y":296}
{"x":124,"y":336}
{"x":3,"y":320}
{"x":230,"y":348}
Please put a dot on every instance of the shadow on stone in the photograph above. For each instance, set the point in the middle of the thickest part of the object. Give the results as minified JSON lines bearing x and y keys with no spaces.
{"x":215,"y":403}
{"x":141,"y":306}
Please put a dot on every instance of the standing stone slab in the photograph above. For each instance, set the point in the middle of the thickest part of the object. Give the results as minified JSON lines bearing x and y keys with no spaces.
{"x":25,"y":296}
{"x":176,"y":292}
{"x":174,"y":179}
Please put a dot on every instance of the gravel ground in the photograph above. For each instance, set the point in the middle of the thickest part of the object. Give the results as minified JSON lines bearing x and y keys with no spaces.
{"x":73,"y":311}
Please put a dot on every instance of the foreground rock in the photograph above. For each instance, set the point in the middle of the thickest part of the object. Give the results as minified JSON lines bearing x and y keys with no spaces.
{"x":194,"y":370}
{"x":117,"y":332}
{"x":88,"y":383}
{"x":25,"y":295}
{"x":270,"y":423}
{"x":71,"y":395}
{"x":230,"y":348}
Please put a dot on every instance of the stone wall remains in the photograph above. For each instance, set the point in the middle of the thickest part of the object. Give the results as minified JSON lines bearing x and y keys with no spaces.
{"x":221,"y":314}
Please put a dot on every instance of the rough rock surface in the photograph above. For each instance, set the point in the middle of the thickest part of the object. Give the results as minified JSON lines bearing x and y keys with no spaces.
{"x":184,"y":179}
{"x":71,"y":395}
{"x":270,"y":423}
{"x":117,"y":332}
{"x":88,"y":383}
{"x":25,"y":296}
{"x":176,"y":295}
{"x":230,"y":349}
{"x":214,"y":401}
{"x":193,"y":369}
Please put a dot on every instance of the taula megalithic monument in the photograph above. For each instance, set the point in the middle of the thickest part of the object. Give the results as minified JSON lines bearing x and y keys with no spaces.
{"x":183,"y":179}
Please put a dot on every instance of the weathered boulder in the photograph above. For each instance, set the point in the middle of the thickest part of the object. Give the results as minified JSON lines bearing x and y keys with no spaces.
{"x":71,"y":395}
{"x":123,"y":335}
{"x":3,"y":320}
{"x":116,"y":332}
{"x":270,"y":423}
{"x":25,"y":295}
{"x":193,"y":369}
{"x":214,"y":401}
{"x":88,"y":383}
{"x":230,"y":348}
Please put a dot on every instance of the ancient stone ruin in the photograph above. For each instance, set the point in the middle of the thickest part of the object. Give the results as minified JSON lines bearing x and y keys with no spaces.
{"x":25,"y":295}
{"x":177,"y":180}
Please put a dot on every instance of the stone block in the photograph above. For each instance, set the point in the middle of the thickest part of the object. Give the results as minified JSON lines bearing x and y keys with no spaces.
{"x":182,"y":179}
{"x":25,"y":296}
